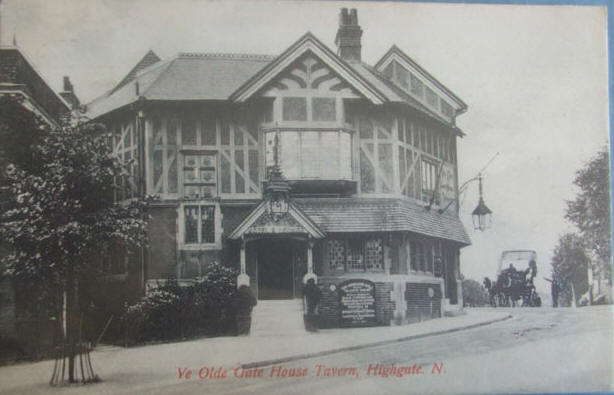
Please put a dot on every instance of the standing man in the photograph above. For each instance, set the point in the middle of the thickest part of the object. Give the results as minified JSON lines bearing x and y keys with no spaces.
{"x":554,"y":290}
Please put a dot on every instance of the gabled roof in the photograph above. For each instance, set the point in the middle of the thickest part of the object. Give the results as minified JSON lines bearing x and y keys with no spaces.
{"x":237,"y":77}
{"x":147,"y":60}
{"x":394,"y":50}
{"x":309,"y":43}
{"x":295,"y":222}
{"x":19,"y":74}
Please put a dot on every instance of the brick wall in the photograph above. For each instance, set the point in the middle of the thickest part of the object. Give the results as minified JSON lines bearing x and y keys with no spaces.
{"x":162,"y":243}
{"x":384,"y":306}
{"x":419,"y":302}
{"x":329,"y":304}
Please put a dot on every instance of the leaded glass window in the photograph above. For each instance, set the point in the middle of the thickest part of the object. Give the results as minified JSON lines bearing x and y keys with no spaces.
{"x":336,"y":254}
{"x":199,"y":224}
{"x":199,"y":175}
{"x":374,"y":255}
{"x":354,"y":253}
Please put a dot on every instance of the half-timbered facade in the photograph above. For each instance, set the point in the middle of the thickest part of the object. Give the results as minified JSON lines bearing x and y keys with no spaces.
{"x":310,"y":164}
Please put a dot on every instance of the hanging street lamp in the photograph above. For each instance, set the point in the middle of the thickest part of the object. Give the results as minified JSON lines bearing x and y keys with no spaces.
{"x":482,"y":216}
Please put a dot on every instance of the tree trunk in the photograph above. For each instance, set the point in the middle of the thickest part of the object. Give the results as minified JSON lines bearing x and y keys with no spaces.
{"x":71,"y":324}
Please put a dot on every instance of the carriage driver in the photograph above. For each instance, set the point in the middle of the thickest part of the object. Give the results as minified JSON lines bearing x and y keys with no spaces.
{"x":531,"y":272}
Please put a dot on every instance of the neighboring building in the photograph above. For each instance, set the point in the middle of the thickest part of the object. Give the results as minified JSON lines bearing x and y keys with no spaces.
{"x":19,"y":332}
{"x":19,"y":77}
{"x":367,"y":154}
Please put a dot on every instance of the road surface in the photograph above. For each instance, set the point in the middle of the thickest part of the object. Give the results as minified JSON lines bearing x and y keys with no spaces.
{"x":538,"y":350}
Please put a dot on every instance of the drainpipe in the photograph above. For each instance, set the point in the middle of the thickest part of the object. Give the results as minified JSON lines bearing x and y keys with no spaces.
{"x":141,"y":141}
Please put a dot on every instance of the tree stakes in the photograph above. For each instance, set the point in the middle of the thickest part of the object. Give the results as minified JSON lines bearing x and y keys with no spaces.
{"x":61,"y":375}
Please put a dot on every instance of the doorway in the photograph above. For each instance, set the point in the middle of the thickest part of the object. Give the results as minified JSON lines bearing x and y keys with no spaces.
{"x":275,"y":269}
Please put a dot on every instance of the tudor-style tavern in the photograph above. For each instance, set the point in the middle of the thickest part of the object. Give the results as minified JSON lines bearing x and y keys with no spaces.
{"x":309,"y":164}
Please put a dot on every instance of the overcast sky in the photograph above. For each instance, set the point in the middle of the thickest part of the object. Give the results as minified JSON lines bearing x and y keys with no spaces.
{"x":534,"y":77}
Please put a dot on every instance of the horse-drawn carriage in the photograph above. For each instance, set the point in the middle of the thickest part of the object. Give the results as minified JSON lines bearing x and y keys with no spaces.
{"x":514,"y":287}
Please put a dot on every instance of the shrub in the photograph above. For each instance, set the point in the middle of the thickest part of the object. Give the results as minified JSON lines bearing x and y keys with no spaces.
{"x":174,"y":312}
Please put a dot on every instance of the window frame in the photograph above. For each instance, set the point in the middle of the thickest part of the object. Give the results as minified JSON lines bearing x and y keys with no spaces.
{"x":217,"y":226}
{"x":363,"y":255}
{"x":216,"y":169}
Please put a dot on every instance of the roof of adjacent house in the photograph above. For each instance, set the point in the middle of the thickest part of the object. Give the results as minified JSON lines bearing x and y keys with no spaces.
{"x":202,"y":76}
{"x":187,"y":76}
{"x":19,"y":74}
{"x":358,"y":214}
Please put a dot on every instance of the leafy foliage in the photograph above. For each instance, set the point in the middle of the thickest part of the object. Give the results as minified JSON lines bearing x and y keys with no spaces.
{"x":569,"y":265}
{"x":63,"y":213}
{"x":474,"y":293}
{"x":173,"y":312}
{"x":590,"y":210}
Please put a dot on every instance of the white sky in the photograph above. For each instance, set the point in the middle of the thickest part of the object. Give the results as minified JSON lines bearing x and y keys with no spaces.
{"x":534,"y":77}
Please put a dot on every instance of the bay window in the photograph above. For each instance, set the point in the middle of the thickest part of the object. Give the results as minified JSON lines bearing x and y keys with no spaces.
{"x":325,"y":155}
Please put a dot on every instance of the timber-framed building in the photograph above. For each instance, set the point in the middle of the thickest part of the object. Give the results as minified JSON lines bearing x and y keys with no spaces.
{"x":309,"y":164}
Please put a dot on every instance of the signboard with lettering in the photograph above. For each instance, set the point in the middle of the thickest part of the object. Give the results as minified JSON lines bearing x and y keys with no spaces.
{"x":356,"y":303}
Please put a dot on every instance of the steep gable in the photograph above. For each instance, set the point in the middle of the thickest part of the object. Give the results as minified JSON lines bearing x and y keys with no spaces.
{"x":417,"y":83}
{"x":147,"y":60}
{"x":282,"y":67}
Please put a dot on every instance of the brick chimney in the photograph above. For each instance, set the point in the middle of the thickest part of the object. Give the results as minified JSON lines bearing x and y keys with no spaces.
{"x":68,"y":93}
{"x":348,"y":36}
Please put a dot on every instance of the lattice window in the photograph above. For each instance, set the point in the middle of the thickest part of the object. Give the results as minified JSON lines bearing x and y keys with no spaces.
{"x":199,"y":176}
{"x":355,"y":257}
{"x":336,"y":254}
{"x":374,"y":255}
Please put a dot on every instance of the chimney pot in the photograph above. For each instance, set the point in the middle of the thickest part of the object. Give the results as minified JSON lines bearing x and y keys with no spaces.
{"x":348,"y":36}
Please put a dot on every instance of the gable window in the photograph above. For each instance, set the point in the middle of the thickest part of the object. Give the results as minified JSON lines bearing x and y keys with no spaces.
{"x":199,"y":224}
{"x":294,"y":109}
{"x":323,"y":109}
{"x":199,"y":176}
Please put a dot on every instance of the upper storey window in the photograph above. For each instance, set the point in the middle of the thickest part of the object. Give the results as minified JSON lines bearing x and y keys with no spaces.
{"x":294,"y":108}
{"x":323,"y":109}
{"x":318,"y":109}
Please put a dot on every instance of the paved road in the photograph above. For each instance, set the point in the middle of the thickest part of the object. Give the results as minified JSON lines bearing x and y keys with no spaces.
{"x":539,"y":350}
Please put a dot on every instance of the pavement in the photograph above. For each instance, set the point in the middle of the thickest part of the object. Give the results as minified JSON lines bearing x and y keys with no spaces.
{"x":123,"y":366}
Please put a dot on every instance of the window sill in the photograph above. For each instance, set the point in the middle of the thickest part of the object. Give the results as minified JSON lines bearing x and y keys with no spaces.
{"x":198,"y":247}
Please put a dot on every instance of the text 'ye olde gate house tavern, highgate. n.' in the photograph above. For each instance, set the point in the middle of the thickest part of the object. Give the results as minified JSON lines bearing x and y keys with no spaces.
{"x":307,"y":164}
